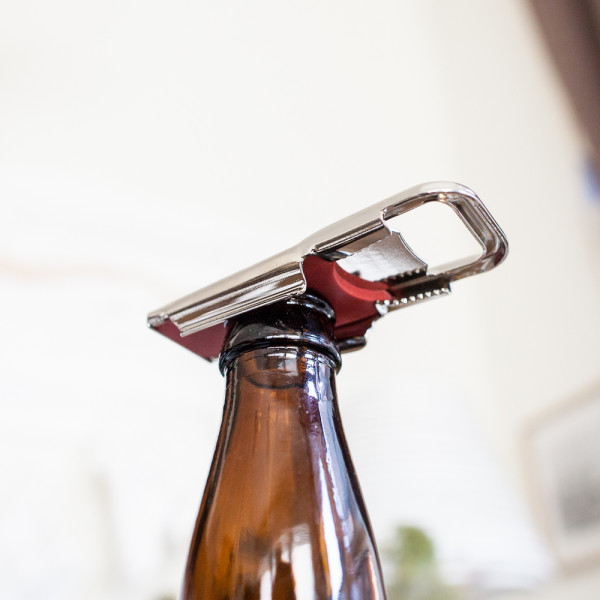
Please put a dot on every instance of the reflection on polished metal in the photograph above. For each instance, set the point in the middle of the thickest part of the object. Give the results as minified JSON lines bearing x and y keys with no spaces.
{"x":360,"y":264}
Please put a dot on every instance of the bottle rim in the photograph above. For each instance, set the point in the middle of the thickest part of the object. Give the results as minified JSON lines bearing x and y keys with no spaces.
{"x":305,"y":321}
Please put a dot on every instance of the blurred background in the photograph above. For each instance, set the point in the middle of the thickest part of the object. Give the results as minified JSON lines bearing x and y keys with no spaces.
{"x":149,"y":148}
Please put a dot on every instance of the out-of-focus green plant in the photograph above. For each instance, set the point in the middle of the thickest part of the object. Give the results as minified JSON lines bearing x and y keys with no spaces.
{"x":414,"y":570}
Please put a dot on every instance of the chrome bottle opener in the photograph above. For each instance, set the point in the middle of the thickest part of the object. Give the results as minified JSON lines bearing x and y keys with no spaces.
{"x":360,"y":265}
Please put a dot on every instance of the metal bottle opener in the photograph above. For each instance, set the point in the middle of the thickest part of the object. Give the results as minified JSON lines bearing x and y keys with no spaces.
{"x":360,"y":265}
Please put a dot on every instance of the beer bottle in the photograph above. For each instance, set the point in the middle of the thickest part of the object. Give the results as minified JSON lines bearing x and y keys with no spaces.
{"x":282,"y":515}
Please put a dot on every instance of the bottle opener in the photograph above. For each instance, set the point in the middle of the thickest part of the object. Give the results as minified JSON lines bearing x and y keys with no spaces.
{"x":360,"y":265}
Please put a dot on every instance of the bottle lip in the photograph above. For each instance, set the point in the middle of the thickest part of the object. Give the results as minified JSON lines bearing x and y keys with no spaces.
{"x":305,"y":321}
{"x":314,"y":302}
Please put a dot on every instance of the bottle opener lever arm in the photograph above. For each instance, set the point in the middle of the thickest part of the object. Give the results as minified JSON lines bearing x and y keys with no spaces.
{"x":360,"y":265}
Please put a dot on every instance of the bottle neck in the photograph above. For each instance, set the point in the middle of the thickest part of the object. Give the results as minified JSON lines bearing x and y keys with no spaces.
{"x":299,"y":328}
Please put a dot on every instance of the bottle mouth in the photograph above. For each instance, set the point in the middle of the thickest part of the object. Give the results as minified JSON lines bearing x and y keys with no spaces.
{"x":305,"y":321}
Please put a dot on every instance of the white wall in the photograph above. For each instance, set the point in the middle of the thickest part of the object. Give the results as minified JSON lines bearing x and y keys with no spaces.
{"x":150,"y":148}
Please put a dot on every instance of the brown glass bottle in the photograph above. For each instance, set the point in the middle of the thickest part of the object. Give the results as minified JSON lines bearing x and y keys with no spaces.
{"x":282,"y":515}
